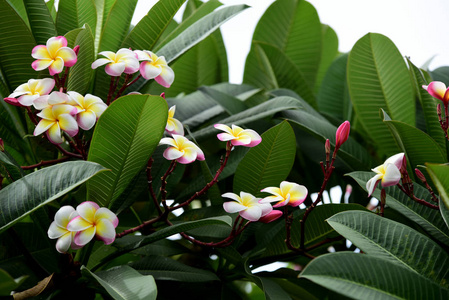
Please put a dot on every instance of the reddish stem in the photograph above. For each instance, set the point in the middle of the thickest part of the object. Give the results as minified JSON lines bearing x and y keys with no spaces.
{"x":46,"y":163}
{"x":31,"y":115}
{"x":170,"y":170}
{"x":126,"y":84}
{"x":416,"y":199}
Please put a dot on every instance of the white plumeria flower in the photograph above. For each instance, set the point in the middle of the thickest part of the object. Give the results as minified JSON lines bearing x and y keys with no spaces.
{"x":124,"y":60}
{"x":93,"y":221}
{"x":289,"y":193}
{"x":54,"y":55}
{"x":238,"y":136}
{"x":183,"y":150}
{"x":32,"y":90}
{"x":153,"y":66}
{"x":247,"y":206}
{"x":58,"y":229}
{"x":174,"y":126}
{"x":91,"y":108}
{"x":388,"y":174}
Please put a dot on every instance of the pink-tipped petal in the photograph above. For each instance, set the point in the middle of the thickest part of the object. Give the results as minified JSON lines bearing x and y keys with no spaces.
{"x":174,"y":126}
{"x":45,"y":86}
{"x":224,"y":137}
{"x":131,"y":65}
{"x":266,"y":208}
{"x":252,"y":213}
{"x":40,"y":52}
{"x":396,"y":159}
{"x":242,"y":140}
{"x":83,"y":237}
{"x":56,"y":67}
{"x":232,"y":196}
{"x":86,"y":119}
{"x":115,"y":69}
{"x":105,"y":231}
{"x":166,"y":77}
{"x":172,"y":153}
{"x":105,"y":213}
{"x":272,"y":216}
{"x":372,"y":183}
{"x":392,"y":175}
{"x":68,"y":124}
{"x":87,"y":210}
{"x":78,"y":224}
{"x":148,"y":71}
{"x":99,"y":62}
{"x":67,"y":55}
{"x":54,"y":44}
{"x":188,"y":156}
{"x":255,"y":137}
{"x":436,"y":89}
{"x":41,"y":64}
{"x":63,"y":243}
{"x":27,"y":100}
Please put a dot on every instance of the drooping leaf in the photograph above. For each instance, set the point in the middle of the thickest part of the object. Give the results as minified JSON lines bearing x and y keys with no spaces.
{"x":296,"y":32}
{"x":33,"y":191}
{"x":395,"y":242}
{"x":12,"y":168}
{"x":429,"y":219}
{"x":268,"y":163}
{"x":75,"y":13}
{"x":378,"y":78}
{"x":124,"y":139}
{"x":365,"y":277}
{"x":80,"y":75}
{"x":440,"y":177}
{"x":125,"y":283}
{"x":41,"y":21}
{"x":231,"y":104}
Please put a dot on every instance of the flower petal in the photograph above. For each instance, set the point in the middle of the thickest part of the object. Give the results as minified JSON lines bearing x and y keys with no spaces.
{"x":78,"y":224}
{"x":105,"y":231}
{"x":63,"y":243}
{"x":223,"y":127}
{"x":100,"y":62}
{"x":115,"y":69}
{"x":252,"y":213}
{"x":272,"y":216}
{"x":62,"y":216}
{"x":54,"y":44}
{"x":42,"y":126}
{"x":55,"y":231}
{"x":54,"y":134}
{"x":372,"y":183}
{"x":174,"y":126}
{"x":166,"y":77}
{"x":233,"y":197}
{"x":87,"y":210}
{"x":392,"y":175}
{"x":233,"y":207}
{"x":148,"y":70}
{"x":68,"y":56}
{"x":41,"y":64}
{"x":254,"y":136}
{"x":83,"y":237}
{"x":436,"y":89}
{"x":56,"y":67}
{"x":45,"y":86}
{"x":105,"y":213}
{"x":224,"y":137}
{"x":172,"y":153}
{"x":396,"y":160}
{"x":40,"y":52}
{"x":86,"y":119}
{"x":27,"y":100}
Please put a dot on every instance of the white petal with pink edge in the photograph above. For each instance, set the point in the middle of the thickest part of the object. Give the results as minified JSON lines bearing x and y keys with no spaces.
{"x":63,"y":243}
{"x":252,"y":213}
{"x":224,"y":137}
{"x":83,"y":237}
{"x":436,"y":89}
{"x":168,"y":141}
{"x":56,"y":67}
{"x":99,"y":62}
{"x":105,"y":231}
{"x":41,"y":102}
{"x":223,"y":127}
{"x":172,"y":153}
{"x":233,"y":207}
{"x":67,"y":55}
{"x":149,"y":71}
{"x":78,"y":224}
{"x":54,"y":134}
{"x":45,"y":86}
{"x":41,"y":64}
{"x":174,"y":126}
{"x":396,"y":160}
{"x":87,"y":210}
{"x":392,"y":175}
{"x":241,"y":140}
{"x":115,"y":69}
{"x":105,"y":213}
{"x":188,"y":156}
{"x":27,"y":100}
{"x":142,"y":55}
{"x":86,"y":119}
{"x":131,"y":64}
{"x":266,"y":208}
{"x":372,"y":183}
{"x":166,"y":77}
{"x":40,"y":52}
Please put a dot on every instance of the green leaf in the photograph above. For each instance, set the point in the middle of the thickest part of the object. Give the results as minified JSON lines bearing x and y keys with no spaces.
{"x":429,"y":219}
{"x":296,"y":32}
{"x":378,"y":78}
{"x":80,"y":75}
{"x":231,"y":104}
{"x":125,"y":283}
{"x":440,"y":177}
{"x":419,"y":146}
{"x":116,"y":26}
{"x":52,"y":9}
{"x":362,"y":276}
{"x":267,"y":67}
{"x":164,"y":268}
{"x":7,"y":284}
{"x":11,"y":166}
{"x":198,"y":32}
{"x":16,"y":43}
{"x":255,"y":113}
{"x":75,"y":13}
{"x":395,"y":242}
{"x":124,"y":139}
{"x":268,"y":163}
{"x":33,"y":191}
{"x":329,"y":51}
{"x":41,"y":22}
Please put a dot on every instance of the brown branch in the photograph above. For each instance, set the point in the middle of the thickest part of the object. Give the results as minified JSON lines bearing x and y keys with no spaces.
{"x":416,"y":199}
{"x":46,"y":163}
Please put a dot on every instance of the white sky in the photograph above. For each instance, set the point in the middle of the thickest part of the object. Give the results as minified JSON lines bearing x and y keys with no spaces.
{"x":420,"y":29}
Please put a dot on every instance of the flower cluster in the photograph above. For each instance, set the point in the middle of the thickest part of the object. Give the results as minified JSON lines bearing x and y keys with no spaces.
{"x":74,"y":228}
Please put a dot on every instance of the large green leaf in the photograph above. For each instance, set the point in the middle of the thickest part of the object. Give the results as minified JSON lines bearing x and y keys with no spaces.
{"x":80,"y":75}
{"x":16,"y":43}
{"x":429,"y":219}
{"x":41,"y":22}
{"x":33,"y":191}
{"x":329,"y":51}
{"x":268,"y":163}
{"x":378,"y":78}
{"x":419,"y":146}
{"x":296,"y":32}
{"x":440,"y":177}
{"x":428,"y":104}
{"x":365,"y":277}
{"x":75,"y":13}
{"x":231,"y":104}
{"x":125,"y":283}
{"x":12,"y":168}
{"x":164,"y":268}
{"x":20,"y":9}
{"x":124,"y":139}
{"x":395,"y":242}
{"x":263,"y":110}
{"x":268,"y":67}
{"x":103,"y":8}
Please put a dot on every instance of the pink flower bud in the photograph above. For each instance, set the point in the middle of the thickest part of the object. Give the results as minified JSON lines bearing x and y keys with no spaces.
{"x":327,"y":146}
{"x":13,"y":101}
{"x":271,"y":216}
{"x":420,"y":175}
{"x":163,"y":95}
{"x":76,"y":49}
{"x":342,"y":134}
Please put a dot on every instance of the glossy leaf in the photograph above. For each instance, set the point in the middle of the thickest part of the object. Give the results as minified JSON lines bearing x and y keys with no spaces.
{"x":296,"y":32}
{"x":329,"y":52}
{"x":12,"y":168}
{"x":80,"y":75}
{"x":364,"y":277}
{"x":75,"y":13}
{"x":268,"y":163}
{"x":52,"y":9}
{"x":378,"y":78}
{"x":429,"y":219}
{"x":41,"y":22}
{"x":125,"y":283}
{"x":231,"y":104}
{"x":124,"y":139}
{"x":33,"y":191}
{"x":440,"y":177}
{"x":397,"y":243}
{"x":268,"y":67}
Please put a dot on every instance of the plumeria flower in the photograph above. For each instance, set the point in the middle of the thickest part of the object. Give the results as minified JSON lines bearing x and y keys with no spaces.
{"x":271,"y":216}
{"x":183,"y":150}
{"x":93,"y":221}
{"x":58,"y":229}
{"x":91,"y":107}
{"x":388,"y":174}
{"x":153,"y":66}
{"x":49,"y":100}
{"x":174,"y":126}
{"x":124,"y":60}
{"x":247,"y":206}
{"x":30,"y":91}
{"x":438,"y":90}
{"x":238,"y":136}
{"x":54,"y":55}
{"x":56,"y":117}
{"x":289,"y":193}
